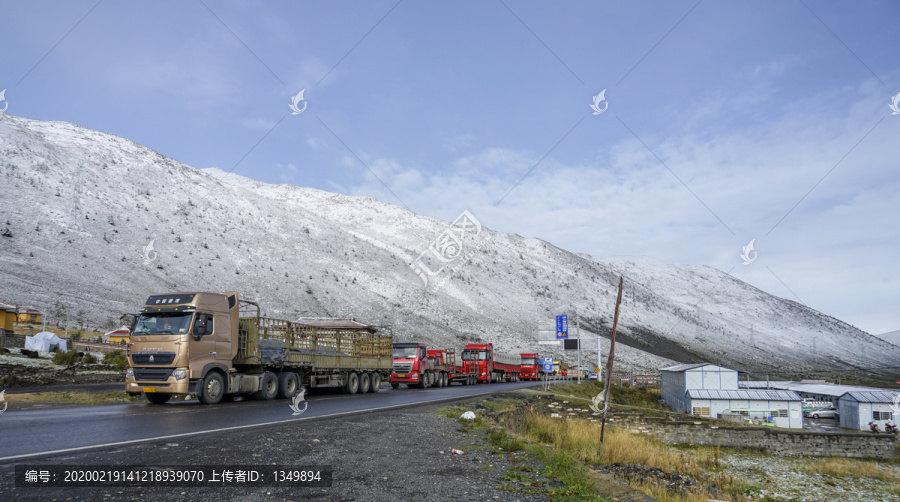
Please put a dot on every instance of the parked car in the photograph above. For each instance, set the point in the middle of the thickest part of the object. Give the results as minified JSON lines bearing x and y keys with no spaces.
{"x":824,"y":412}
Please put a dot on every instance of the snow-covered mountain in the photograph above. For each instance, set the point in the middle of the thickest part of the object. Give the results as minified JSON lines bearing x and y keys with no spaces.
{"x":99,"y":223}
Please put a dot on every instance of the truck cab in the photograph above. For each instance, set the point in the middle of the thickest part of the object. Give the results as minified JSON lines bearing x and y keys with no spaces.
{"x":531,"y":366}
{"x":411,"y":365}
{"x":178,"y":339}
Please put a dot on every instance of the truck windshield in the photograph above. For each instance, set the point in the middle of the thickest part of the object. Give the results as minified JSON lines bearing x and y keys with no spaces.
{"x":162,"y":324}
{"x":474,"y":355}
{"x":405,"y":352}
{"x":528,"y":361}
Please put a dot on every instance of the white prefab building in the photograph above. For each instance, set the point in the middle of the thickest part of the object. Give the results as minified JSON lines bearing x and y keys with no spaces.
{"x":675,"y":381}
{"x":779,"y":407}
{"x":860,"y":407}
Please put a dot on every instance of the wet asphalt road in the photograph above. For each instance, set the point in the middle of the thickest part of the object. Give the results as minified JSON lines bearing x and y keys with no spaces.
{"x":30,"y":434}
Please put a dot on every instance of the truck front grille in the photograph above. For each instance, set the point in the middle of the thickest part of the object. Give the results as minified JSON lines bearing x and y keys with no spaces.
{"x":152,"y":375}
{"x":402,"y":368}
{"x":153,"y":357}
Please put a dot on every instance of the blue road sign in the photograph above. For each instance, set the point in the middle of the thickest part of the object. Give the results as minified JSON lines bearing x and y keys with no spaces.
{"x":562,"y":327}
{"x":548,"y":367}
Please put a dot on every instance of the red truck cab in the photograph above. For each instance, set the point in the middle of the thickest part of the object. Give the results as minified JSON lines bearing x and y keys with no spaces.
{"x":531,"y":366}
{"x":410,"y":364}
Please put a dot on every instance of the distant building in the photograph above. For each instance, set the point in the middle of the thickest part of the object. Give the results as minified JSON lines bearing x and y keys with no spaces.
{"x":675,"y":381}
{"x":29,"y":315}
{"x":859,"y":407}
{"x":7,"y":316}
{"x":121,"y":335}
{"x":708,"y":390}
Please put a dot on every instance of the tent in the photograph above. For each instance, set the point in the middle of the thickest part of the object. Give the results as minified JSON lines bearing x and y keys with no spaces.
{"x":45,"y":341}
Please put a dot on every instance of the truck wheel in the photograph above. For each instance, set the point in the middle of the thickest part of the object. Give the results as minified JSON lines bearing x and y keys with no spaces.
{"x":376,"y":382}
{"x":364,"y":382}
{"x":395,"y":385}
{"x":446,"y":380}
{"x":212,"y":388}
{"x":157,"y":398}
{"x":269,"y":388}
{"x":288,"y":384}
{"x":423,"y":382}
{"x":352,"y":383}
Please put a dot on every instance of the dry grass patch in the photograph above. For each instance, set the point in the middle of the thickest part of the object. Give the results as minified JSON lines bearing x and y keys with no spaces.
{"x":846,"y":468}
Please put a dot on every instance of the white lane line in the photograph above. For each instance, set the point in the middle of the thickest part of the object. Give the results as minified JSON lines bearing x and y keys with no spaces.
{"x":236,"y":427}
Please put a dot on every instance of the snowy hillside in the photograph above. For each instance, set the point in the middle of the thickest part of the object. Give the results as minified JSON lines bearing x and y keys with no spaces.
{"x":81,"y":208}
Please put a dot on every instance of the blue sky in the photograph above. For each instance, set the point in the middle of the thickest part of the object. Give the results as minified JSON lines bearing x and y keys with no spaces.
{"x":726,"y":121}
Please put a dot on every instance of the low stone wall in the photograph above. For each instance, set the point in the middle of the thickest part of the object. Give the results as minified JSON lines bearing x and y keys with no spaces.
{"x":681,"y":429}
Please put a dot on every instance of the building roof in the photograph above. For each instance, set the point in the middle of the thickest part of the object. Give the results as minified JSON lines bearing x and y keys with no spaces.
{"x":120,"y":331}
{"x":685,"y":367}
{"x":334,"y":323}
{"x":28,"y":310}
{"x":873,"y":396}
{"x":822,"y":389}
{"x":753,"y":395}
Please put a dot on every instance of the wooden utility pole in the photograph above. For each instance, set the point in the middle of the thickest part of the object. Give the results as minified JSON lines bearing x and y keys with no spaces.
{"x":609,"y":362}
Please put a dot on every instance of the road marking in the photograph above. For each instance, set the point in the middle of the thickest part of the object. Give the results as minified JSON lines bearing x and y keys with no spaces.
{"x":236,"y":427}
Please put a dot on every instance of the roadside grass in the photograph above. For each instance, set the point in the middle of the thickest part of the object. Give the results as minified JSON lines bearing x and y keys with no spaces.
{"x":576,"y":484}
{"x":850,"y":468}
{"x":580,"y":440}
{"x":501,"y":404}
{"x":73,"y":397}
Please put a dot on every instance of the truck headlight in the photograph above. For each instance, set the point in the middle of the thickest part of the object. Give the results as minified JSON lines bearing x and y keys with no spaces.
{"x":129,"y":373}
{"x":179,"y":374}
{"x":414,"y":376}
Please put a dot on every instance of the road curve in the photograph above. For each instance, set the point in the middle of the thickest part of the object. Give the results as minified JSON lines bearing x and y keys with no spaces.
{"x":30,"y":434}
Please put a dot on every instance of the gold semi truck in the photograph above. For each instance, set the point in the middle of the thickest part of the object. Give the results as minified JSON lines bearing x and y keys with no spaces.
{"x":199,"y":344}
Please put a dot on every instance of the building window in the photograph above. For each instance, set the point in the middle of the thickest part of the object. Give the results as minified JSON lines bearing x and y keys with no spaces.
{"x":881,"y":415}
{"x":780,"y":414}
{"x":701,"y":411}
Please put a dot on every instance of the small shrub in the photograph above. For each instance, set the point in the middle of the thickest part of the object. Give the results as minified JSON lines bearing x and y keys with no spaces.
{"x":116,"y":358}
{"x":65,"y":358}
{"x":89,"y":359}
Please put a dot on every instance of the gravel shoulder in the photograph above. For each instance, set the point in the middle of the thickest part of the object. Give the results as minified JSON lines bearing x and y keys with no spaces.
{"x":393,"y":455}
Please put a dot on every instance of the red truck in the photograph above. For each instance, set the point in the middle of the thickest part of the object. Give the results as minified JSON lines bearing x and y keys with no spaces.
{"x":415,"y":365}
{"x":489,"y":365}
{"x":531,"y":366}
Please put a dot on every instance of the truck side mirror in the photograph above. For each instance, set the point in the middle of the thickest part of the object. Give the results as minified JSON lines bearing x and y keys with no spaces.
{"x":199,"y":328}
